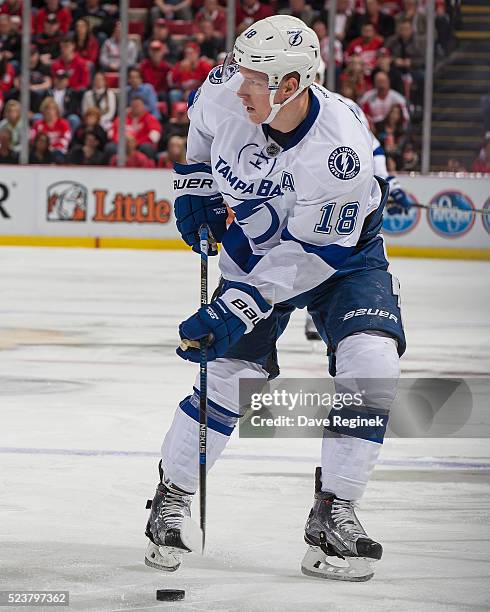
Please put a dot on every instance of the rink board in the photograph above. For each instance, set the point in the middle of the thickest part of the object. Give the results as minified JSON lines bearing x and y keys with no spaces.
{"x":132,"y":208}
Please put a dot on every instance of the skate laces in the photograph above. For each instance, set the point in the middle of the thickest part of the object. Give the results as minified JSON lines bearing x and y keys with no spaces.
{"x":344,"y":517}
{"x":173,"y":508}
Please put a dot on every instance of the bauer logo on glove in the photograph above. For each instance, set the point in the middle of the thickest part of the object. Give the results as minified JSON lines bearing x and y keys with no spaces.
{"x":198,"y":203}
{"x":223,"y":322}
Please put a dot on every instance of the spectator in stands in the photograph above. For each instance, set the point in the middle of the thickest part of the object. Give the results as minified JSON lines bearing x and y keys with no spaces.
{"x":71,"y":62}
{"x":377,"y":102}
{"x":145,"y":128}
{"x":410,"y":159}
{"x":384,"y":25}
{"x":134,"y":157}
{"x":391,"y":132}
{"x":172,"y":9}
{"x":101,"y":22}
{"x":13,"y":123}
{"x":347,"y":90}
{"x":144,"y":91}
{"x":299,"y":8}
{"x":90,"y":125}
{"x":444,"y":33}
{"x":213,"y":12}
{"x":321,"y":31}
{"x":102,"y":98}
{"x":454,"y":165}
{"x":155,"y":69}
{"x":67,"y":98}
{"x":355,"y":75}
{"x":384,"y":62}
{"x":7,"y":153}
{"x":412,"y":12}
{"x":40,"y":79}
{"x":63,"y":16}
{"x":161,"y":34}
{"x":86,"y":45}
{"x":482,"y":162}
{"x":9,"y":41}
{"x":109,"y":58}
{"x":175,"y":153}
{"x":366,"y":46}
{"x":12,"y":7}
{"x":189,"y":73}
{"x":56,"y":128}
{"x":88,"y":154}
{"x":391,"y":164}
{"x":250,"y":11}
{"x":343,"y":17}
{"x":210,"y":41}
{"x":49,"y":40}
{"x":40,"y":153}
{"x":7,"y":76}
{"x":178,"y":124}
{"x":408,"y":57}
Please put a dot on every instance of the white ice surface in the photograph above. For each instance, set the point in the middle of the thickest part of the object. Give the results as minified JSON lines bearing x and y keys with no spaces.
{"x":88,"y":385}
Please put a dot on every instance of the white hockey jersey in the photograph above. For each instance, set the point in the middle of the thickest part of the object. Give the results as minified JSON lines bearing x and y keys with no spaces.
{"x":378,"y":151}
{"x":299,"y":210}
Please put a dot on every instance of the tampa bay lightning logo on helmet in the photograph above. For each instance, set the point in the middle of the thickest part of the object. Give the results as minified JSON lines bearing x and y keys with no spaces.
{"x":344,"y":163}
{"x":295,"y":38}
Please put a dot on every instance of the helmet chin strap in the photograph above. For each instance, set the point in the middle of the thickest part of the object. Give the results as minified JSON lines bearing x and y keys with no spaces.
{"x":275,"y":108}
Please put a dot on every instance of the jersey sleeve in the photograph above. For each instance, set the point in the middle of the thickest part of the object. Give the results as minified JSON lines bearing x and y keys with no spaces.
{"x":321,"y":234}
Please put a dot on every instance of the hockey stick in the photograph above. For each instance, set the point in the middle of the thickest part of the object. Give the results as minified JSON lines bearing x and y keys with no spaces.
{"x":203,"y":384}
{"x":481,"y":211}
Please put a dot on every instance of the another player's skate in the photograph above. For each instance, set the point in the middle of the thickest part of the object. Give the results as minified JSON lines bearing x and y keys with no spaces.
{"x":170,"y":529}
{"x":333,"y":530}
{"x":311,"y":331}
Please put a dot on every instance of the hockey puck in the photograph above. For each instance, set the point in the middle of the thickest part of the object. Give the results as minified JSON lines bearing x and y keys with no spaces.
{"x":170,"y":594}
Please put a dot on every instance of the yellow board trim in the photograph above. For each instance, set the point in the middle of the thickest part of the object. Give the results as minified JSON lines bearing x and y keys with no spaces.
{"x":48,"y":241}
{"x":177,"y":244}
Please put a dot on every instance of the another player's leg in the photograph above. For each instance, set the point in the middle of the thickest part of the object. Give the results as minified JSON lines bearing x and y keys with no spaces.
{"x":369,"y":361}
{"x":311,"y":331}
{"x":179,"y":467}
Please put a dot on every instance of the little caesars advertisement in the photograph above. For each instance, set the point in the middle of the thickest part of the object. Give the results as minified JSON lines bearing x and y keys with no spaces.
{"x":90,"y":202}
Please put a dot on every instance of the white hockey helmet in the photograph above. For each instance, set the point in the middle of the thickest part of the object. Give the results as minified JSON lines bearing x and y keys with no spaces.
{"x":277,"y":46}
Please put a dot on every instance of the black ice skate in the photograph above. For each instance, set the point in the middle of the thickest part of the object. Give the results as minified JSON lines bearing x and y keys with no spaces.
{"x":170,"y":529}
{"x":311,"y":331}
{"x":333,"y":530}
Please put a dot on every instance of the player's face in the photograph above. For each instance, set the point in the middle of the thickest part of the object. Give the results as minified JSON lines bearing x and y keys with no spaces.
{"x":254,"y":94}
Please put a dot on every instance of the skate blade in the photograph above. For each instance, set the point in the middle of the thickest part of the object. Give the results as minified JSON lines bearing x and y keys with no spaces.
{"x":355,"y":569}
{"x":191,"y":535}
{"x":163,"y":558}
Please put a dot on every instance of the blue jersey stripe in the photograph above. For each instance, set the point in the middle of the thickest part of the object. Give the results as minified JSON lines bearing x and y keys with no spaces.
{"x":237,"y":247}
{"x":217,"y":407}
{"x":184,"y":169}
{"x":332,"y":254}
{"x":187,"y":407}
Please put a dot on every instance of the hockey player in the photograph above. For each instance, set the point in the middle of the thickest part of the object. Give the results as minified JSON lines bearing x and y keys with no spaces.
{"x":296,"y":166}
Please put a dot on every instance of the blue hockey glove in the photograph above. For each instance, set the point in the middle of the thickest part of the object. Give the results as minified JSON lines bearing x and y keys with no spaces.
{"x":224,"y":321}
{"x":401,"y":203}
{"x":197,"y":202}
